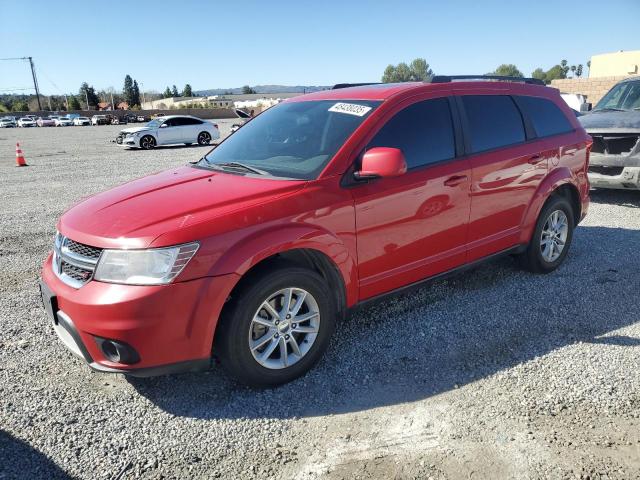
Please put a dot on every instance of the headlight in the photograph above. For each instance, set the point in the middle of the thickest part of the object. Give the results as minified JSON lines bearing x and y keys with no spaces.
{"x":156,"y":266}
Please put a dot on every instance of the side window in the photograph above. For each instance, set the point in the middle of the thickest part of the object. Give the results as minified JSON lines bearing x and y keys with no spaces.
{"x":171,"y":122}
{"x":494,"y":121}
{"x":546,"y":117}
{"x":423,"y":131}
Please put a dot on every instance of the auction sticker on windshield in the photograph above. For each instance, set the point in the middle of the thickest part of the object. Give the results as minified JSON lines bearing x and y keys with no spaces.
{"x":350,"y":108}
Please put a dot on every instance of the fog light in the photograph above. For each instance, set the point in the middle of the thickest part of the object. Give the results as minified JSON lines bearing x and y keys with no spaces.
{"x":117,"y":352}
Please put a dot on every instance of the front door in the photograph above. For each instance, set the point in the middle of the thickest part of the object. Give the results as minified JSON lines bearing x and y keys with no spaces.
{"x":415,"y":225}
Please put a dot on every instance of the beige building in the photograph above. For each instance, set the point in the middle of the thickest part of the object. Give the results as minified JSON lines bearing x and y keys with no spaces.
{"x":615,"y":64}
{"x":606,"y":70}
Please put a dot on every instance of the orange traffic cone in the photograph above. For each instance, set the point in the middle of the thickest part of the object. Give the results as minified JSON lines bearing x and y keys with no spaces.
{"x":20,"y":161}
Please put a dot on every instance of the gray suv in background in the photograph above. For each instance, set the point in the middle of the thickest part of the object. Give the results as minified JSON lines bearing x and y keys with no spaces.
{"x":614,"y":124}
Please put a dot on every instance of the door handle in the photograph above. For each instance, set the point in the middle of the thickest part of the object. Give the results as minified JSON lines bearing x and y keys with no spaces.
{"x":455,"y":180}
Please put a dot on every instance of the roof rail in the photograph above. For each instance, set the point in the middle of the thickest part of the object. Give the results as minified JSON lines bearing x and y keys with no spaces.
{"x":347,"y":85}
{"x":501,"y":78}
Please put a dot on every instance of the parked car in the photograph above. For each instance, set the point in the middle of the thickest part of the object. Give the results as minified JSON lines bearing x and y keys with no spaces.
{"x":322,"y":203}
{"x":8,"y":122}
{"x":46,"y":122}
{"x":26,"y":122}
{"x":63,"y":122}
{"x":99,"y":120}
{"x":243,"y":117}
{"x":169,"y":130}
{"x":81,"y":121}
{"x":614,"y":125}
{"x":143,"y":118}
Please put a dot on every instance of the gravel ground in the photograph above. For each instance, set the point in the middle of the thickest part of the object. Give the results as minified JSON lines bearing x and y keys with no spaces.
{"x":492,"y":374}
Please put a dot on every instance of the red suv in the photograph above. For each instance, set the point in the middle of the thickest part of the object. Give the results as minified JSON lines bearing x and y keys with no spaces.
{"x":255,"y":253}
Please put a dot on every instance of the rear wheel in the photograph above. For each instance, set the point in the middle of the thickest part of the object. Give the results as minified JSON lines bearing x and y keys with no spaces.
{"x":204,"y":138}
{"x":552,"y":237}
{"x":277,"y":327}
{"x":147,"y":142}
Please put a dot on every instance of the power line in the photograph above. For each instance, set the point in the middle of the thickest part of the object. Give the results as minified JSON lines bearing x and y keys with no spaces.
{"x":33,"y":75}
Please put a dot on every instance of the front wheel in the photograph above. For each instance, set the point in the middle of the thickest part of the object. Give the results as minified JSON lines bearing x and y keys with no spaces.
{"x":147,"y":142}
{"x":277,"y":327}
{"x":551,"y":238}
{"x":204,"y":138}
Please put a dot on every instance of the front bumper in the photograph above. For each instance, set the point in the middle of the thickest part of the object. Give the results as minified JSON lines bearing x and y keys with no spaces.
{"x":170,"y":327}
{"x":614,"y":171}
{"x":128,"y":141}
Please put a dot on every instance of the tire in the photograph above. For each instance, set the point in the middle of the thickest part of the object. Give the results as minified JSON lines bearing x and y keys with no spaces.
{"x":204,"y":138}
{"x":311,"y":337}
{"x":147,"y":142}
{"x":536,"y":258}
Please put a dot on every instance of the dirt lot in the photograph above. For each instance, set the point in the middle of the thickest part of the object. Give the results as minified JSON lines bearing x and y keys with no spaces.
{"x":493,"y":374}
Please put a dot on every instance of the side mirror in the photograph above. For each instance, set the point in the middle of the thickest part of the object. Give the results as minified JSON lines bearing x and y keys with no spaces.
{"x":163,"y":125}
{"x":585,"y":107}
{"x":382,"y":162}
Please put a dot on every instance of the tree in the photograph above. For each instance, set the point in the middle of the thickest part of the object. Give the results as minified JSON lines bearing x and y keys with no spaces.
{"x":186,"y":92}
{"x":74,"y":104}
{"x":88,"y":94}
{"x":555,"y":72}
{"x":579,"y":70}
{"x":540,"y":74}
{"x":417,"y":71}
{"x":565,"y":68}
{"x":247,"y":90}
{"x":20,"y":106}
{"x":507,"y":70}
{"x":127,"y":91}
{"x":573,"y":70}
{"x":136,"y":94}
{"x":174,"y":92}
{"x":167,"y":93}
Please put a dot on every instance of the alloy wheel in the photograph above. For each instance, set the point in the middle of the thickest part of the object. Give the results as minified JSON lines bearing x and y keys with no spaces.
{"x":554,"y":236}
{"x":284,"y":328}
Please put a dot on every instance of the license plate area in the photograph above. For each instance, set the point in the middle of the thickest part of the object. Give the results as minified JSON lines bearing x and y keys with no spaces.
{"x":49,"y":302}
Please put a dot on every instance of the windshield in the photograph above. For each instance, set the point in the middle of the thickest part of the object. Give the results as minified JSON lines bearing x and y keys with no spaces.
{"x":291,"y":140}
{"x":624,"y":96}
{"x":154,"y":123}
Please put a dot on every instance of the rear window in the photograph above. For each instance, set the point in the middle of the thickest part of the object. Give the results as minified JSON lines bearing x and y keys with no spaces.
{"x":494,"y":121}
{"x":546,"y":116}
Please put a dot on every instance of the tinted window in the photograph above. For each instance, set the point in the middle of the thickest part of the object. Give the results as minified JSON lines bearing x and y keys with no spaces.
{"x":546,"y":117}
{"x":423,"y":131}
{"x":190,"y":121}
{"x":494,"y":121}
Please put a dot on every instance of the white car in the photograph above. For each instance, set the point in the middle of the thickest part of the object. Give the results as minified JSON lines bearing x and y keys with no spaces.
{"x":80,"y":121}
{"x":63,"y":122}
{"x":7,"y":122}
{"x":99,"y":120}
{"x":26,"y":122}
{"x":169,"y":130}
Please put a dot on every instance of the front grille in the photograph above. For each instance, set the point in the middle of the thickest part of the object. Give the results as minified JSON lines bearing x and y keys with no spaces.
{"x":604,"y":170}
{"x":77,"y":273}
{"x":74,"y":262}
{"x":614,"y":144}
{"x":83,"y":250}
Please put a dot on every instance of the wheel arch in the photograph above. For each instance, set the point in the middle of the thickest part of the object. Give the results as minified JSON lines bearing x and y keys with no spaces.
{"x":560,"y":181}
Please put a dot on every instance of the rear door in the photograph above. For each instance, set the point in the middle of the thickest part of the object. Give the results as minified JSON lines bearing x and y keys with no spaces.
{"x":507,"y":168}
{"x":415,"y":225}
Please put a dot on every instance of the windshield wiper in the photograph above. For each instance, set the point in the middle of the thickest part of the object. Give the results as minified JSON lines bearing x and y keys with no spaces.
{"x":609,"y":109}
{"x":240,"y":166}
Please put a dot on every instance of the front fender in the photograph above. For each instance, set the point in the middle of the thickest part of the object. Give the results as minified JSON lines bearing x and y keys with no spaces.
{"x":240,"y":257}
{"x":554,"y":179}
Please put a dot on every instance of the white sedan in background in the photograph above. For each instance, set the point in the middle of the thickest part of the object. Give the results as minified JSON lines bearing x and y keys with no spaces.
{"x":79,"y":121}
{"x":26,"y":122}
{"x":62,"y":122}
{"x":169,"y":130}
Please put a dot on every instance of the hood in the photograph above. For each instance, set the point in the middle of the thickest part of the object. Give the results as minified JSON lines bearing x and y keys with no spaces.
{"x":610,"y":119}
{"x":136,"y":213}
{"x":135,"y":129}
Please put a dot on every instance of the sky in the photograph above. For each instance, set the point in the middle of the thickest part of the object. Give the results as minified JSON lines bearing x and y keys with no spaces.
{"x":224,"y":44}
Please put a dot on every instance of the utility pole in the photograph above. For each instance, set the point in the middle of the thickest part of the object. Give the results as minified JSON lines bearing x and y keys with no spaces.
{"x":142,"y":91}
{"x":113,"y":107}
{"x":35,"y":81}
{"x":86,"y":97}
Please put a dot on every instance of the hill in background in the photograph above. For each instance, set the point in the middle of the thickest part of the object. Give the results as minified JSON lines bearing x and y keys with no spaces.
{"x":263,"y":89}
